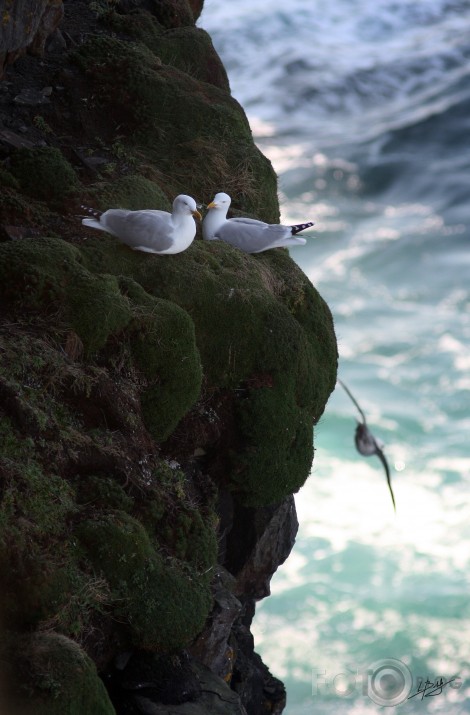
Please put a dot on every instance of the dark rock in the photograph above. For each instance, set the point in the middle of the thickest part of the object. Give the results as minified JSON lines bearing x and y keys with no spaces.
{"x":216,"y":698}
{"x":50,"y":20}
{"x":10,"y":139}
{"x":259,"y":541}
{"x":26,"y":24}
{"x":56,"y":42}
{"x":259,"y":691}
{"x":160,"y":679}
{"x":31,"y":98}
{"x":196,"y":6}
{"x":169,"y":13}
{"x":212,"y":646}
{"x":14,"y":233}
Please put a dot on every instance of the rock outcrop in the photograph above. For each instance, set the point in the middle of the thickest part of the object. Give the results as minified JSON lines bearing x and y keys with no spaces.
{"x":156,"y":412}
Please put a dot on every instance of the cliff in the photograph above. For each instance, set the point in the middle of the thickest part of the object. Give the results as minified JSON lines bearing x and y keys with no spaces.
{"x":156,"y":412}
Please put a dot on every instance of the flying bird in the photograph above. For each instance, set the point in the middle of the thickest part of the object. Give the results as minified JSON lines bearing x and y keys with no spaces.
{"x":366,"y":444}
{"x":151,"y":231}
{"x":247,"y":234}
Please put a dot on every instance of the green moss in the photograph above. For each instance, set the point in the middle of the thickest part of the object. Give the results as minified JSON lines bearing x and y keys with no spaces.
{"x":164,"y":604}
{"x":131,"y":192}
{"x":34,"y":511}
{"x":58,"y":678}
{"x":189,"y":49}
{"x":164,"y":347}
{"x":7,"y":180}
{"x":191,"y":535}
{"x":18,"y":209}
{"x":103,"y":492}
{"x":44,"y":173}
{"x":47,"y":275}
{"x":153,"y":102}
{"x":185,"y":526}
{"x":261,"y":329}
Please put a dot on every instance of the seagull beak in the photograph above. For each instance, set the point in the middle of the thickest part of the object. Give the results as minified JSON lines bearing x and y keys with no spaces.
{"x":197,"y":215}
{"x":212,"y":205}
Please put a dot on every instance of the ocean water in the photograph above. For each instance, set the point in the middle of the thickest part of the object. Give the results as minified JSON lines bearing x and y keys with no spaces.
{"x":363,"y":106}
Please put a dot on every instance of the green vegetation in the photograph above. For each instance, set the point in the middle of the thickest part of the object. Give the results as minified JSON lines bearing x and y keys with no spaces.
{"x":164,"y":603}
{"x":132,"y":386}
{"x":273,"y":344}
{"x":131,"y":192}
{"x":151,"y":104}
{"x":44,"y":173}
{"x":58,"y":677}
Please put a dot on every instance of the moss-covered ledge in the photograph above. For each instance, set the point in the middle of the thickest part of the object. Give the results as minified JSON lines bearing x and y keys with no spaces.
{"x":140,"y":395}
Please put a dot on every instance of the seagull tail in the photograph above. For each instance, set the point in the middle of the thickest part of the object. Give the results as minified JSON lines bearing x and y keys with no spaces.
{"x":301,"y":227}
{"x":93,"y":223}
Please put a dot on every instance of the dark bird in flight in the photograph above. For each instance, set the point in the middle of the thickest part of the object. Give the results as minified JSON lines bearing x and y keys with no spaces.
{"x":366,"y":444}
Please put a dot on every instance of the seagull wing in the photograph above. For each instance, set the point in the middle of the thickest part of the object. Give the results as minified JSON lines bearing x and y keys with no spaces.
{"x":251,"y":236}
{"x":150,"y":231}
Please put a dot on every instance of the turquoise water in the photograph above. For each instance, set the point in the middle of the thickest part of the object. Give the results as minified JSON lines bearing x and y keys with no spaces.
{"x":364,"y":109}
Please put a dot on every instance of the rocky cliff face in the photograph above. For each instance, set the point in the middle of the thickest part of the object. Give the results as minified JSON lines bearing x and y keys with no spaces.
{"x":156,"y":412}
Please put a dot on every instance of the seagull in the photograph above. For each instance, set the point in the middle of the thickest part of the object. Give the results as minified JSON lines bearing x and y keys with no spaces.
{"x":366,"y":444}
{"x":247,"y":234}
{"x":150,"y":231}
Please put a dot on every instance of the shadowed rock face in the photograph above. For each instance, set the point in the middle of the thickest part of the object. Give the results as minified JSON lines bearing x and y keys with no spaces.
{"x":156,"y":412}
{"x":26,"y":25}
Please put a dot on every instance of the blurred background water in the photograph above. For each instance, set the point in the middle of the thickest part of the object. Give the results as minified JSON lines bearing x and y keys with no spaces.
{"x":363,"y":106}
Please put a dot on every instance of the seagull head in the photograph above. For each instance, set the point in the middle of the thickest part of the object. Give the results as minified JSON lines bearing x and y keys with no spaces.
{"x":221,"y":201}
{"x":186,"y":205}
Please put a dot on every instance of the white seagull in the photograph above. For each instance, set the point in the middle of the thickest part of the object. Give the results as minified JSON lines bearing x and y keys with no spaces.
{"x":247,"y":234}
{"x":151,"y":231}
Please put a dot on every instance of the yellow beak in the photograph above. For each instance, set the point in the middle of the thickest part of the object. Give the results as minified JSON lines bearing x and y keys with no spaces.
{"x":212,"y":205}
{"x":197,"y":215}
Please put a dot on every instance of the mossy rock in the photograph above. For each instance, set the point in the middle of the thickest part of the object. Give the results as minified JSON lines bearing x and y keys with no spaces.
{"x":7,"y":180}
{"x":261,"y":330}
{"x":188,"y":532}
{"x":152,"y":104}
{"x":163,"y":345}
{"x":34,"y":511}
{"x":163,"y":603}
{"x":46,"y":275}
{"x":103,"y":492}
{"x":44,"y":173}
{"x":17,"y":209}
{"x":133,"y":192}
{"x":191,"y":535}
{"x":189,"y":49}
{"x":57,"y":678}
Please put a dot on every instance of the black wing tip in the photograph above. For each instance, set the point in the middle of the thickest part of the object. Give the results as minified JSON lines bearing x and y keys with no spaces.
{"x":92,"y":212}
{"x":298,"y":227}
